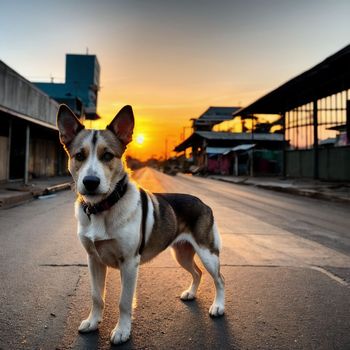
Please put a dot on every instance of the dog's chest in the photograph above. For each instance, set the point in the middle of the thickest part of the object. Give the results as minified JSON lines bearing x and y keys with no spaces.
{"x":112,"y":240}
{"x":109,"y":252}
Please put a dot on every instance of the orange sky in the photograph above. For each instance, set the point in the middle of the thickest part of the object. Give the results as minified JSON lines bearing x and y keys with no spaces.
{"x":161,"y":115}
{"x":171,"y":60}
{"x":167,"y":90}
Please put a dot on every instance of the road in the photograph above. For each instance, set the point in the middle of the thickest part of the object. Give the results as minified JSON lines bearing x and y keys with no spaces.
{"x":286,"y":263}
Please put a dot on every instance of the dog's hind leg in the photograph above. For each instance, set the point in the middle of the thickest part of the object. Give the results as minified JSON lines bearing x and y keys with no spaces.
{"x":184,"y":254}
{"x":212,"y":264}
{"x":98,"y":277}
{"x":209,"y":255}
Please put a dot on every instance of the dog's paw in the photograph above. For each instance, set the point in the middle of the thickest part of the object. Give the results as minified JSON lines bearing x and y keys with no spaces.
{"x":187,"y":295}
{"x":216,"y":310}
{"x":88,"y":326}
{"x":120,"y":335}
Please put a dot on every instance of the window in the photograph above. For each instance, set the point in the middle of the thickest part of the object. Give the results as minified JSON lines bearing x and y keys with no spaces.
{"x":331,"y":111}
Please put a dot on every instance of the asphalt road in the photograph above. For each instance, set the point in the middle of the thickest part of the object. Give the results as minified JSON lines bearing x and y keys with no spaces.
{"x":285,"y":260}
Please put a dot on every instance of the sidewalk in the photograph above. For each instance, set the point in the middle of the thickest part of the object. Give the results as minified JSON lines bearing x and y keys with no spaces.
{"x":15,"y":193}
{"x":334,"y":191}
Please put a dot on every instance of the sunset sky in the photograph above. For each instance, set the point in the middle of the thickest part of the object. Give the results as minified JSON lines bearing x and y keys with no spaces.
{"x":171,"y":60}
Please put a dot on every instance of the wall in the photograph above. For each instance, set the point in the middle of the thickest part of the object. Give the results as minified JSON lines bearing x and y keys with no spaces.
{"x":21,"y":96}
{"x":43,"y":158}
{"x":333,"y":163}
{"x":219,"y":165}
{"x":3,"y":157}
{"x":267,"y":162}
{"x":299,"y":163}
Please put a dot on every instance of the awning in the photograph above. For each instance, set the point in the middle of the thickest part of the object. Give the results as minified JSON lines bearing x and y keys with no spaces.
{"x":217,"y":150}
{"x":226,"y":150}
{"x":245,"y":147}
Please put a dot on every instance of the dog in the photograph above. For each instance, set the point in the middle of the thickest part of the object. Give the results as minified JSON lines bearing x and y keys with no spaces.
{"x":122,"y":226}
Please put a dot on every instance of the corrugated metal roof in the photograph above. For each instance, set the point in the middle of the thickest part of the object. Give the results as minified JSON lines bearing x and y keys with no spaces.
{"x":228,"y":138}
{"x":226,"y":150}
{"x":244,"y":147}
{"x":217,"y":150}
{"x":214,"y":113}
{"x":215,"y":135}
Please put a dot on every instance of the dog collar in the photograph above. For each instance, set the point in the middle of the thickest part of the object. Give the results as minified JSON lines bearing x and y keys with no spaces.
{"x":106,"y":203}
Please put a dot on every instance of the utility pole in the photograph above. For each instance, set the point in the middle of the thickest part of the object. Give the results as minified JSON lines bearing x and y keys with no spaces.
{"x":166,"y":149}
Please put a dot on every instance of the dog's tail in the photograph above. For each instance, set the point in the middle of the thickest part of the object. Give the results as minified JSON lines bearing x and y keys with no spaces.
{"x":217,"y":237}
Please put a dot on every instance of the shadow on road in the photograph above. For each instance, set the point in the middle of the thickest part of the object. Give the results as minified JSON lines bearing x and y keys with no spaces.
{"x":193,"y":329}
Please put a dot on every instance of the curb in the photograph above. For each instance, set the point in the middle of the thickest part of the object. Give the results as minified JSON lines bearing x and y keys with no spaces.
{"x":56,"y":188}
{"x":291,"y":190}
{"x":18,"y":198}
{"x":15,"y":199}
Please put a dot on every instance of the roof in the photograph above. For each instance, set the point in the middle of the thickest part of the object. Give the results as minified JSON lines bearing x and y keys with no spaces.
{"x":326,"y":78}
{"x":214,"y":135}
{"x":21,"y":98}
{"x":215,"y":115}
{"x":218,"y":113}
{"x":340,"y":128}
{"x":228,"y":136}
{"x":217,"y":150}
{"x":243,"y":147}
{"x":226,"y":150}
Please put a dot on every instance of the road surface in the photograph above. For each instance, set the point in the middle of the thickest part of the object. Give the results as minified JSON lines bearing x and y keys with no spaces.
{"x":285,"y":260}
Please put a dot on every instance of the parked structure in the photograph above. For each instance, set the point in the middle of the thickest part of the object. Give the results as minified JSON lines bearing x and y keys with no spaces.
{"x":235,"y":153}
{"x":29,"y":145}
{"x":225,"y":152}
{"x":315,"y":111}
{"x":81,"y":85}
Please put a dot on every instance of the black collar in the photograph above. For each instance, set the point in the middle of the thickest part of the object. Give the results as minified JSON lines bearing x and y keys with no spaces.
{"x":108,"y":202}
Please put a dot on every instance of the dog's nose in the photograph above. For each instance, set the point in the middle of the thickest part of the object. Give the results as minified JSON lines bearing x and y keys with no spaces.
{"x":91,"y":182}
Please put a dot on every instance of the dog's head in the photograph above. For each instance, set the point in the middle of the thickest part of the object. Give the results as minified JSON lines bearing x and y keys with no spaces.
{"x":95,"y":156}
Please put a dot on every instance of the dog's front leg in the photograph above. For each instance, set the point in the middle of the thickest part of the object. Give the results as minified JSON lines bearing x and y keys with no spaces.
{"x":128,"y":272}
{"x":97,"y":279}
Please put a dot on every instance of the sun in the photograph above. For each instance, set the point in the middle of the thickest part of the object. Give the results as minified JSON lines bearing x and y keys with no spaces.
{"x":140,"y":139}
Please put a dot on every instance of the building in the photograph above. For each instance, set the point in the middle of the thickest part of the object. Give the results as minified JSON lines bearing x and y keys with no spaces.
{"x":240,"y":153}
{"x":315,"y":112}
{"x":217,"y":147}
{"x":82,"y":83}
{"x":29,"y":144}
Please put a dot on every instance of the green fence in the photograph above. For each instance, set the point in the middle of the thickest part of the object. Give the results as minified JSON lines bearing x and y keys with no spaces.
{"x":333,"y":163}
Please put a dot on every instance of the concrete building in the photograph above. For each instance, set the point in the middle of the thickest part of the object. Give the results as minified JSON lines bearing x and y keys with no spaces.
{"x":80,"y":89}
{"x":29,"y":145}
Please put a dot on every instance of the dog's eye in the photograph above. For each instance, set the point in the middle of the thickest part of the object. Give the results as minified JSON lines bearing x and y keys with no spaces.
{"x":107,"y":157}
{"x":80,"y":156}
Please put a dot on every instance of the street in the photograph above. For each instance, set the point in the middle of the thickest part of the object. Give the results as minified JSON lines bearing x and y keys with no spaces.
{"x":285,"y":259}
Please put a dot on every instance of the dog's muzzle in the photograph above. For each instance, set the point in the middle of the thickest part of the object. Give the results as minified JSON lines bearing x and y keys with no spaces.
{"x":91,"y":183}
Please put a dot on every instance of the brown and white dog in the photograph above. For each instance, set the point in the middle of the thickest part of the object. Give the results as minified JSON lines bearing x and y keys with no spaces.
{"x":122,"y":226}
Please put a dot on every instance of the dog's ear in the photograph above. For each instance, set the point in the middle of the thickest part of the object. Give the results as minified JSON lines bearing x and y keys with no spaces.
{"x":68,"y":125}
{"x":123,"y":125}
